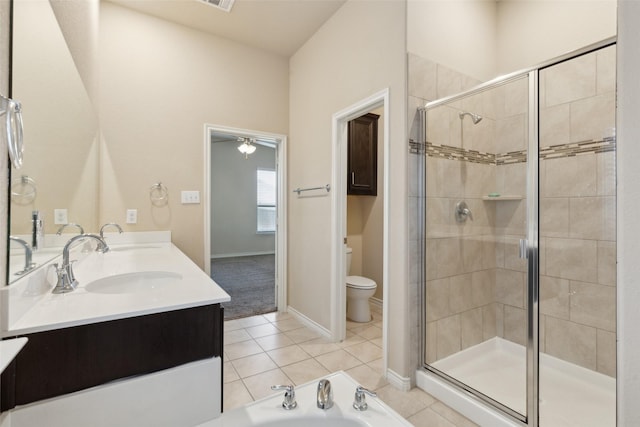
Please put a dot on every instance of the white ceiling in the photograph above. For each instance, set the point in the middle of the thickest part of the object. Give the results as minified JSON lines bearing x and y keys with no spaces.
{"x":278,"y":26}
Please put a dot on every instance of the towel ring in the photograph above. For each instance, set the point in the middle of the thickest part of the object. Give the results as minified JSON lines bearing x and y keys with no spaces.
{"x":159,"y":194}
{"x":23,"y":190}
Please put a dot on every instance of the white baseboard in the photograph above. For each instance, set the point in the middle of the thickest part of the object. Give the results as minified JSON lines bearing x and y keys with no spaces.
{"x":398,"y":381}
{"x":239,"y":254}
{"x":309,"y":323}
{"x":376,"y":301}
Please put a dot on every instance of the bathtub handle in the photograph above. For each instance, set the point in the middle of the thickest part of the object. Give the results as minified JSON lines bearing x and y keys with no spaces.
{"x":359,"y":401}
{"x":289,"y":401}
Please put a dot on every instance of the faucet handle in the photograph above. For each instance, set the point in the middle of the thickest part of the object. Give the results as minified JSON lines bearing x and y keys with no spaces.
{"x":359,"y":402}
{"x":289,"y":401}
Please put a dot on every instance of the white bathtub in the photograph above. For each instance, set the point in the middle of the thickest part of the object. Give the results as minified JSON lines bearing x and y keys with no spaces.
{"x":268,"y":412}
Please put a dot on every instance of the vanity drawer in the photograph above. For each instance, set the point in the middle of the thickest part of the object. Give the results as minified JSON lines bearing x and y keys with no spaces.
{"x":66,"y":360}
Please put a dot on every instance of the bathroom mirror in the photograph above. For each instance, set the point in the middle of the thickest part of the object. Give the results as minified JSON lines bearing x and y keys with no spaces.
{"x":60,"y":169}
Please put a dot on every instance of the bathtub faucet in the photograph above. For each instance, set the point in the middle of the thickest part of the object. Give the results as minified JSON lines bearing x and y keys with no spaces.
{"x":359,"y":402}
{"x":289,"y":401}
{"x":325,"y":394}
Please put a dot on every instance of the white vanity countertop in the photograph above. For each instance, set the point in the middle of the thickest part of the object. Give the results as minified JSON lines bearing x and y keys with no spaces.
{"x":54,"y":311}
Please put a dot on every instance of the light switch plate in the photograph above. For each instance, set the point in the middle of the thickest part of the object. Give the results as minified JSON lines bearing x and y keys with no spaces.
{"x":189,"y":197}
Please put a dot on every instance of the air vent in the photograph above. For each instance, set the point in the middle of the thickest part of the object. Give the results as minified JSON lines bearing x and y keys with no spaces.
{"x":225,"y":5}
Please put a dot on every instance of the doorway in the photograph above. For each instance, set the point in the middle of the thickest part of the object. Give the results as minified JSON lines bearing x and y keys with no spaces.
{"x":244,"y":218}
{"x":380,"y":102}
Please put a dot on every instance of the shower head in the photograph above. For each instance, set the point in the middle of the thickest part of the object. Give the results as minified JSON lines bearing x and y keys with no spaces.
{"x":474,"y":117}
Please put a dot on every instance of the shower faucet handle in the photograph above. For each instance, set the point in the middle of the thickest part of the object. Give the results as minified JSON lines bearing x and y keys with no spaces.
{"x":463,"y":212}
{"x":289,"y":401}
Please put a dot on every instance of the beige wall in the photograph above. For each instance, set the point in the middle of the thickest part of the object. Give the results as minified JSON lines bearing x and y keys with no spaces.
{"x":484,"y":39}
{"x":160,"y":83}
{"x":4,"y":89}
{"x":551,"y":28}
{"x":357,"y":53}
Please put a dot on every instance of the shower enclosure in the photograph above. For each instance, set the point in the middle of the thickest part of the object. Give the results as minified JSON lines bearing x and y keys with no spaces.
{"x":519,"y":241}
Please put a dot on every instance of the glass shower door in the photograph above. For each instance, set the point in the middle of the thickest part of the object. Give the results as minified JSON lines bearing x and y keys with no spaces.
{"x":476,"y":270}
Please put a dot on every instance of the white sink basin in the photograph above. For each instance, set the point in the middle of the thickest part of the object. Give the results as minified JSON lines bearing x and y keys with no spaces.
{"x":144,"y":281}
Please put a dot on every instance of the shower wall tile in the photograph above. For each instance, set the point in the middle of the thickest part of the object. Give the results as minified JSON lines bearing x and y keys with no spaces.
{"x":437,"y":296}
{"x":449,"y":257}
{"x":570,"y":80}
{"x":499,"y":319}
{"x":554,"y":217}
{"x":460,"y":293}
{"x":511,"y":217}
{"x":439,"y":122}
{"x":573,"y":259}
{"x":509,"y":288}
{"x":482,"y":284}
{"x":512,"y":260}
{"x":606,"y":70}
{"x":414,"y":120}
{"x":554,"y":297}
{"x":592,"y":218}
{"x":513,"y":98}
{"x":606,"y":172}
{"x":606,"y":353}
{"x":570,"y":177}
{"x":471,"y":328}
{"x":422,"y":77}
{"x":489,"y":247}
{"x":431,"y":261}
{"x":482,"y":103}
{"x":555,"y":125}
{"x":593,"y":118}
{"x":413,"y":219}
{"x":489,"y":322}
{"x":511,"y":134}
{"x":415,"y":251}
{"x":449,"y":82}
{"x":607,"y":263}
{"x":448,"y":336}
{"x":479,"y":179}
{"x":515,"y":326}
{"x":512,"y":179}
{"x":570,"y":341}
{"x":431,"y":344}
{"x":472,"y":253}
{"x":542,"y":327}
{"x":593,"y":305}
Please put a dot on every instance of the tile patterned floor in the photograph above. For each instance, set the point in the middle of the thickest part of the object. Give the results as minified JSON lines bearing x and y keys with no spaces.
{"x":275,"y":348}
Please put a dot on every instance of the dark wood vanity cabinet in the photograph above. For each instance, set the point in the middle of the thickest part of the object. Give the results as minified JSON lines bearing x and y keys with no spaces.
{"x":62,"y":361}
{"x":362,"y":170}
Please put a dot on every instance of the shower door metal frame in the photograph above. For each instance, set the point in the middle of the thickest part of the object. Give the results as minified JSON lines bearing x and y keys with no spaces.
{"x":531,"y":418}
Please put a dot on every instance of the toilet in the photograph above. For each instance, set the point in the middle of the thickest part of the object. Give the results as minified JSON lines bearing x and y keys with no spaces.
{"x":359,"y":290}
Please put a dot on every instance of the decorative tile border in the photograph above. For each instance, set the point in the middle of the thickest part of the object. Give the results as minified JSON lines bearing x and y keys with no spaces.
{"x":578,"y":148}
{"x":546,"y":153}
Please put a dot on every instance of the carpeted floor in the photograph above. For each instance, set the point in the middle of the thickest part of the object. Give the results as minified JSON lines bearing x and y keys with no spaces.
{"x":250,"y":281}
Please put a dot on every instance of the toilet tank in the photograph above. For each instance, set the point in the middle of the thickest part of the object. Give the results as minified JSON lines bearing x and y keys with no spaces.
{"x":348,"y":266}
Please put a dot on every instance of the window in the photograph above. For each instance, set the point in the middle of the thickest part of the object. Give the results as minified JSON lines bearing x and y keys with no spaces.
{"x":266,"y":201}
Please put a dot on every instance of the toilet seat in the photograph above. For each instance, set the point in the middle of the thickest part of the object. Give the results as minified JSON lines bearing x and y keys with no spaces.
{"x":359,"y":282}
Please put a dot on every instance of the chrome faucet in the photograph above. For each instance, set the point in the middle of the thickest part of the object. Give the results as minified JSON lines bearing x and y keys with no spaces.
{"x":359,"y":402}
{"x":105,"y":248}
{"x":28,"y":256}
{"x":71,"y":224}
{"x":109,"y":224}
{"x":325,"y":394}
{"x":66,"y":279}
{"x":289,"y":401}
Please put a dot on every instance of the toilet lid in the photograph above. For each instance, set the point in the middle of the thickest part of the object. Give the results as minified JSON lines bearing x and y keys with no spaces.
{"x":360,"y":282}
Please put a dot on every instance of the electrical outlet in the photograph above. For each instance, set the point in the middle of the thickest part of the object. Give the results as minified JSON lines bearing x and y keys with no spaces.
{"x":132,"y":216}
{"x":188,"y":197}
{"x":60,"y":216}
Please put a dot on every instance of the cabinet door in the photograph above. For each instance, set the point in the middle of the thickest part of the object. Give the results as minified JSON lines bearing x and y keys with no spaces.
{"x":362,"y":176}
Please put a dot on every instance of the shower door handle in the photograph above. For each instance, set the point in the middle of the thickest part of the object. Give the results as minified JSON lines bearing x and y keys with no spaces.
{"x":523,"y":248}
